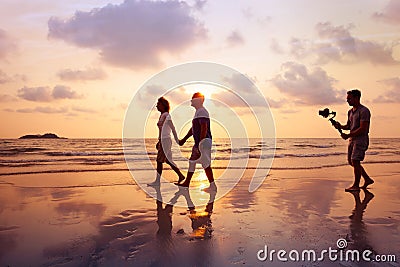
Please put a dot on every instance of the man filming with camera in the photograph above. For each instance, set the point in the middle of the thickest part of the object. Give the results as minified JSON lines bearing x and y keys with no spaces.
{"x":358,"y":121}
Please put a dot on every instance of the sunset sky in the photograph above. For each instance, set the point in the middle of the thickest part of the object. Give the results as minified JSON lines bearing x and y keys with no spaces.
{"x":72,"y":67}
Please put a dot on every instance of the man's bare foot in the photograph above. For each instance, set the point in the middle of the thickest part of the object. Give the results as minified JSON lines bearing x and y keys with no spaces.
{"x":182,"y":184}
{"x":352,"y":188}
{"x":367,"y":183}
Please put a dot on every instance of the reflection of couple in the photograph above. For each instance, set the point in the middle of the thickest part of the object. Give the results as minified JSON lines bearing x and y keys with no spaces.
{"x":201,"y":221}
{"x":201,"y":151}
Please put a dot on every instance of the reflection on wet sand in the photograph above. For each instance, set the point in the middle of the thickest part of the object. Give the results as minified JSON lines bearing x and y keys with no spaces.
{"x":8,"y":240}
{"x":122,"y":236}
{"x":73,"y":212}
{"x":240,"y":198}
{"x":164,"y":219}
{"x":358,"y":229}
{"x":132,"y":235}
{"x":182,"y":253}
{"x":201,"y":220}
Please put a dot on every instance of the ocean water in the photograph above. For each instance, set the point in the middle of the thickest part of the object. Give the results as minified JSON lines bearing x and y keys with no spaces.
{"x":27,"y":156}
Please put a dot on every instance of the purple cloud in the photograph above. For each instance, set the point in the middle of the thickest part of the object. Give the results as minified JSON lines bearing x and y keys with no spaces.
{"x":46,"y":110}
{"x":64,"y":92}
{"x":133,"y":34}
{"x":36,"y":94}
{"x":390,"y":14}
{"x":4,"y":78}
{"x":276,"y":47}
{"x":200,"y":4}
{"x":82,"y":75}
{"x":307,"y":87}
{"x":58,"y":110}
{"x":7,"y":98}
{"x":276,"y":103}
{"x":244,"y":92}
{"x":46,"y":94}
{"x":7,"y":44}
{"x":392,"y":95}
{"x":337,"y":44}
{"x":235,"y":38}
{"x":84,"y":110}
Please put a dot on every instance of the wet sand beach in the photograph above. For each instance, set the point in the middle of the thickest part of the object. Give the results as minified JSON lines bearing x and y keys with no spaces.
{"x":105,"y":219}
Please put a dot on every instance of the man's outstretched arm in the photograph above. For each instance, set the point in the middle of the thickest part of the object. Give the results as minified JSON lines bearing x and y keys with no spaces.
{"x":184,"y":139}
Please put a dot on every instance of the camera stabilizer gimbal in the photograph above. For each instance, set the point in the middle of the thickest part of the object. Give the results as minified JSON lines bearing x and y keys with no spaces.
{"x":326,"y":113}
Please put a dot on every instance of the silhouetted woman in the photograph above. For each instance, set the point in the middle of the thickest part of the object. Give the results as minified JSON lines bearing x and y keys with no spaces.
{"x":164,"y":144}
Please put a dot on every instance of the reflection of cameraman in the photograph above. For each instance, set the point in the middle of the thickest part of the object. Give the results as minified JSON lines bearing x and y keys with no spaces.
{"x":358,"y":120}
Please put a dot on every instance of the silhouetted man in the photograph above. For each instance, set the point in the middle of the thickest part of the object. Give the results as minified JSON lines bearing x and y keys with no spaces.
{"x":358,"y":121}
{"x":201,"y":151}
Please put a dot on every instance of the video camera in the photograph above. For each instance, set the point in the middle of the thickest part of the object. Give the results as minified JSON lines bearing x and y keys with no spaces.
{"x":326,"y":113}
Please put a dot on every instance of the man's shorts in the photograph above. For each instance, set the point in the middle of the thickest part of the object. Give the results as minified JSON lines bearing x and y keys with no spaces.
{"x":164,"y":150}
{"x":356,"y":149}
{"x":201,"y":154}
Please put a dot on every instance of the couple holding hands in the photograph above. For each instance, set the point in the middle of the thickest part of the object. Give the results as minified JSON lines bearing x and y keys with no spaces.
{"x":201,"y":151}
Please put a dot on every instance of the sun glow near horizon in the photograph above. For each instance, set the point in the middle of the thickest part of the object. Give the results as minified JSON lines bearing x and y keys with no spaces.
{"x":208,"y":90}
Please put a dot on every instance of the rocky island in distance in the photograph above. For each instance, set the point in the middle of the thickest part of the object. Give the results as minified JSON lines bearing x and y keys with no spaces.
{"x":40,"y":136}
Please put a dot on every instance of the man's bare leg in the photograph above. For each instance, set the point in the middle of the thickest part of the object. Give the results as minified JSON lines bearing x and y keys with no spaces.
{"x":186,"y":183}
{"x":210,"y":177}
{"x":368,"y":180}
{"x":357,"y":176}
